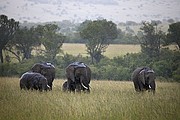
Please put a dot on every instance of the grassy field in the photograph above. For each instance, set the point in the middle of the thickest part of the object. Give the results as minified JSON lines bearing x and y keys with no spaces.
{"x":108,"y":100}
{"x":113,"y":50}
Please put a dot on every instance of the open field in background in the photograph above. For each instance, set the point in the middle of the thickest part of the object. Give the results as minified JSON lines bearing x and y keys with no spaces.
{"x":108,"y":100}
{"x":113,"y":50}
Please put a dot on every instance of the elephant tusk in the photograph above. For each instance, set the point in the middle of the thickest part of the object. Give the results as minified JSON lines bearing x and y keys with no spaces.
{"x":84,"y":86}
{"x":141,"y":71}
{"x":48,"y":87}
{"x":150,"y":71}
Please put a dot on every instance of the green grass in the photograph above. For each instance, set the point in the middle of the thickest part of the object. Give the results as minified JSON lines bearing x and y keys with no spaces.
{"x":108,"y":100}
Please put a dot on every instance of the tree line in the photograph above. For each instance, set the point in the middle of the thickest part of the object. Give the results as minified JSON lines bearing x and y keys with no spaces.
{"x":45,"y":42}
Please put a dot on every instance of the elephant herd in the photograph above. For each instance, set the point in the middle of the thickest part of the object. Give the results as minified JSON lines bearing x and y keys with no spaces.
{"x":41,"y":76}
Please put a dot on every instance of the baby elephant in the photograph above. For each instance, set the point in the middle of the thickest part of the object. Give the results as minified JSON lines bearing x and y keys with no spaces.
{"x":71,"y":87}
{"x":32,"y":80}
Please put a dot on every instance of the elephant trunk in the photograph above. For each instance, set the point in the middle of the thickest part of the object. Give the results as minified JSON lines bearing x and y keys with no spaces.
{"x":83,"y":81}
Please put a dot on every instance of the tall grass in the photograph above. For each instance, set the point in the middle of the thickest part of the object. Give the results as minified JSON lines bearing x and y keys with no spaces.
{"x":108,"y":100}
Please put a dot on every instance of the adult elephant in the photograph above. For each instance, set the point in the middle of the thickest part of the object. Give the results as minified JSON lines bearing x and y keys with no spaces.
{"x":79,"y":74}
{"x":46,"y":69}
{"x":32,"y":80}
{"x":144,"y":79}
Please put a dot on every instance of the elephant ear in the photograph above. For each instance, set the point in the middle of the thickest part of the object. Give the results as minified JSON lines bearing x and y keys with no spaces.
{"x":36,"y":68}
{"x":142,"y":76}
{"x":45,"y":69}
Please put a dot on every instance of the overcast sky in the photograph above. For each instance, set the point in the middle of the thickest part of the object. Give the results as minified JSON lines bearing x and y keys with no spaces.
{"x":80,"y":10}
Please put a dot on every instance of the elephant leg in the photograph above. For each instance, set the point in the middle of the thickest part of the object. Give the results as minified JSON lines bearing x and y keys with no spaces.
{"x":141,"y":86}
{"x":136,"y":86}
{"x":69,"y":84}
{"x":78,"y":87}
{"x":23,"y":86}
{"x":73,"y":87}
{"x":31,"y":86}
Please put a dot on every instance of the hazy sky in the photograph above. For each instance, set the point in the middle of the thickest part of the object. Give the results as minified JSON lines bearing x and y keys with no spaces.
{"x":80,"y":10}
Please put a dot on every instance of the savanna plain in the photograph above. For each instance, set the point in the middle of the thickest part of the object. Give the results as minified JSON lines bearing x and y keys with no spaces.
{"x":108,"y":100}
{"x":113,"y":50}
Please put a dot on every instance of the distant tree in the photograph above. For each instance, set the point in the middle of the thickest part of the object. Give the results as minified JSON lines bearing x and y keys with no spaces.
{"x":98,"y":34}
{"x":170,"y":20}
{"x":24,"y":41}
{"x":156,"y":22}
{"x":51,"y":39}
{"x":131,"y":23}
{"x":173,"y":35}
{"x":129,"y":30}
{"x":151,"y":40}
{"x":7,"y":31}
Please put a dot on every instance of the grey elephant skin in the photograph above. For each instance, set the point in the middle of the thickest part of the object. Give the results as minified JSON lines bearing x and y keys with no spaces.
{"x":144,"y":79}
{"x":47,"y":70}
{"x":33,"y":81}
{"x":71,"y":86}
{"x":79,"y":74}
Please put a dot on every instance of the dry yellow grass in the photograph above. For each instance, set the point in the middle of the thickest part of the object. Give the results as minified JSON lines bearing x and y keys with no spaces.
{"x":119,"y":50}
{"x":108,"y":100}
{"x":112,"y":50}
{"x":74,"y":49}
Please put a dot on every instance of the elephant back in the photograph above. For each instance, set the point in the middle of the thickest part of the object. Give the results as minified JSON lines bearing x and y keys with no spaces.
{"x":136,"y":72}
{"x":32,"y":80}
{"x":46,"y":69}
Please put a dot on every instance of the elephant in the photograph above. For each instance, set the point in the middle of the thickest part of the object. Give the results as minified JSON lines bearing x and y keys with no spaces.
{"x":46,"y":69}
{"x":32,"y":80}
{"x":144,"y":79}
{"x":79,"y":74}
{"x":71,"y":86}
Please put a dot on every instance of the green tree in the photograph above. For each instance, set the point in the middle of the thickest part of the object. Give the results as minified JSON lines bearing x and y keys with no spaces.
{"x":151,"y":40}
{"x":173,"y":35}
{"x":51,"y":39}
{"x":98,"y":34}
{"x":24,"y":41}
{"x":7,"y":30}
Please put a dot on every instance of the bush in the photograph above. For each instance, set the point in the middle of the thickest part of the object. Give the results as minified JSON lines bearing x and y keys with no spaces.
{"x":163,"y":68}
{"x":8,"y":69}
{"x":176,"y":75}
{"x":166,"y":66}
